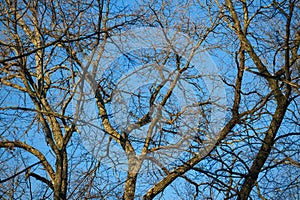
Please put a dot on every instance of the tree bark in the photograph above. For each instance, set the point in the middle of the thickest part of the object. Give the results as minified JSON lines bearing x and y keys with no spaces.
{"x":264,"y":152}
{"x":134,"y":165}
{"x":61,"y":179}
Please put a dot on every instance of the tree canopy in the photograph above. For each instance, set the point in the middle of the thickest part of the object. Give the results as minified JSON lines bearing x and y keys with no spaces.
{"x":107,"y":99}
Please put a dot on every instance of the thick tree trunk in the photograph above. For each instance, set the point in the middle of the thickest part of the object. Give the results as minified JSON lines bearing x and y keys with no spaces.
{"x":130,"y":186}
{"x":134,"y":165}
{"x":61,"y":180}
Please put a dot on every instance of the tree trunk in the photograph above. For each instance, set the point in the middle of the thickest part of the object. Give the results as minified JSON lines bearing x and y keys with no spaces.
{"x":61,"y":178}
{"x":134,"y":165}
{"x":264,"y":152}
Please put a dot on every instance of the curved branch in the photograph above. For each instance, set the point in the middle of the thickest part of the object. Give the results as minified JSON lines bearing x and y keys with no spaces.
{"x":20,"y":172}
{"x":33,"y":151}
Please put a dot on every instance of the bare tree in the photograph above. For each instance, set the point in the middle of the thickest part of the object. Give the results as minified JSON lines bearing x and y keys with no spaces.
{"x":108,"y":100}
{"x":37,"y":83}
